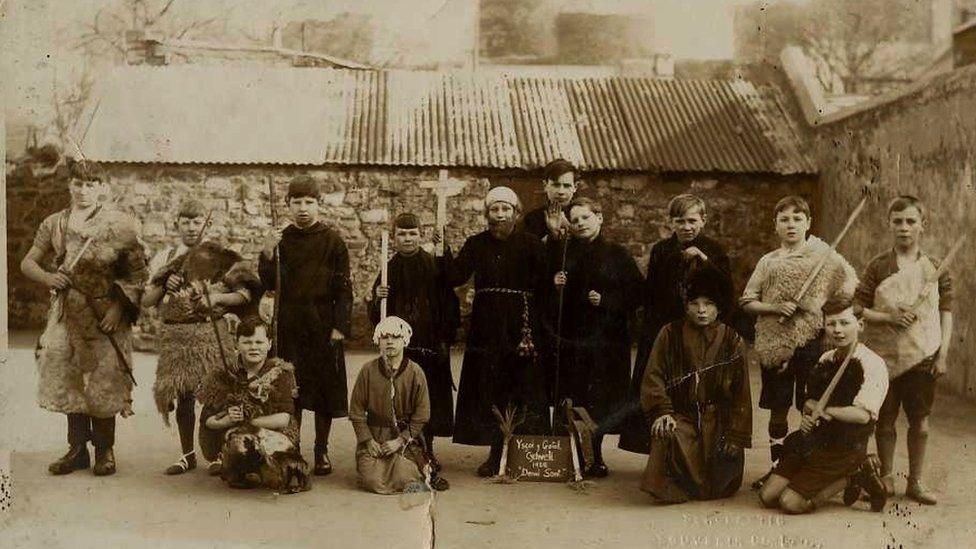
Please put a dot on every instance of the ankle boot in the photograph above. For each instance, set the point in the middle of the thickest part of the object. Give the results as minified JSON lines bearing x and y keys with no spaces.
{"x":323,"y":466}
{"x":79,"y":432}
{"x":490,"y":466}
{"x":103,"y":438}
{"x":104,"y":462}
{"x":76,"y":458}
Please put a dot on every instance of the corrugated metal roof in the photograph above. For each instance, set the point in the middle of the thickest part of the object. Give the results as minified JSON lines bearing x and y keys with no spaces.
{"x":194,"y":114}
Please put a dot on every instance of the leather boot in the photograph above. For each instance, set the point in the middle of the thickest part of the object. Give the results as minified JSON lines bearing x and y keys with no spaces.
{"x":490,"y":466}
{"x":79,"y":431}
{"x":323,"y":466}
{"x":103,"y":438}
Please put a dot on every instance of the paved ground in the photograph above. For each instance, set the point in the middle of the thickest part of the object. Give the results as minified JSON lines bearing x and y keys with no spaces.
{"x":142,"y":506}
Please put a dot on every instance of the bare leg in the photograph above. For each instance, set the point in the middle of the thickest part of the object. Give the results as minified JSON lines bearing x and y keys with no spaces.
{"x":918,"y":436}
{"x":772,"y":489}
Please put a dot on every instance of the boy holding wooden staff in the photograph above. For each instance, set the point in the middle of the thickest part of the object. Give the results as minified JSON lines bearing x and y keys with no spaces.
{"x":96,"y":268}
{"x":789,"y":324}
{"x":842,"y":397}
{"x":316,"y":309}
{"x":417,"y":292}
{"x":187,"y":345}
{"x":907,"y":300}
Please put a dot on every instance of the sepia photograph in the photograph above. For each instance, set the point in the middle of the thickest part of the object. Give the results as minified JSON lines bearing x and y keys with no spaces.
{"x":488,"y":273}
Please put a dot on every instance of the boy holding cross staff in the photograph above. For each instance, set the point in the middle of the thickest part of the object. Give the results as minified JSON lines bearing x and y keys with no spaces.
{"x":415,"y":290}
{"x":907,"y":300}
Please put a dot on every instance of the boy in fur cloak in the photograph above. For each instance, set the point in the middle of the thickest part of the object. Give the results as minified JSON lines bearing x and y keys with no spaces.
{"x":85,"y":352}
{"x":388,"y":409}
{"x":696,"y":400}
{"x":914,"y":341}
{"x":829,"y":451}
{"x":788,"y":349}
{"x":187,"y":346}
{"x":249,"y":423}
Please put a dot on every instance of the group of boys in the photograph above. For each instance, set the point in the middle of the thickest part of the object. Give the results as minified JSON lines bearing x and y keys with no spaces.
{"x":550,"y":318}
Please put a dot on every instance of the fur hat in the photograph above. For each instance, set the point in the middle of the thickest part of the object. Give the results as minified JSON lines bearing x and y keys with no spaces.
{"x":711,"y":283}
{"x":502,"y":194}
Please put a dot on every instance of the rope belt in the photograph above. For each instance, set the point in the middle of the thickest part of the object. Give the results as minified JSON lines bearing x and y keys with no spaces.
{"x":526,"y":348}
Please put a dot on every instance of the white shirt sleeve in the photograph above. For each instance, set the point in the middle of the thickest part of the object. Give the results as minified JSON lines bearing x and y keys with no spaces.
{"x":875,"y":386}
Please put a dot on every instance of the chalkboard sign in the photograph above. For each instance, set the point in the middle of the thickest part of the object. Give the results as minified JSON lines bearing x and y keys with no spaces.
{"x":540,"y":458}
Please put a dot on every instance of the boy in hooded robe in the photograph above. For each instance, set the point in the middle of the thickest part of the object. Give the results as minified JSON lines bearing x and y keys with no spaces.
{"x":418,"y":293}
{"x":315,"y":310}
{"x":187,"y":346}
{"x":696,"y":399}
{"x":84,"y":355}
{"x":388,"y":409}
{"x":500,"y":366}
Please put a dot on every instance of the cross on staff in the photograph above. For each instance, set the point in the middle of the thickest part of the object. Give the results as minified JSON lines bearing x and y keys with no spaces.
{"x":443,"y":187}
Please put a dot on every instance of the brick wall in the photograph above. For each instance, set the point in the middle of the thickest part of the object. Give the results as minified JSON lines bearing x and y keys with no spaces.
{"x":923,"y":143}
{"x":361,"y":201}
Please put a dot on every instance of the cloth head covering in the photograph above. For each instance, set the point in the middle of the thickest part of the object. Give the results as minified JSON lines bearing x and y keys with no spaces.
{"x":502,"y":194}
{"x":406,"y":220}
{"x":393,"y":325}
{"x":711,"y":283}
{"x":191,"y":207}
{"x":301,"y":186}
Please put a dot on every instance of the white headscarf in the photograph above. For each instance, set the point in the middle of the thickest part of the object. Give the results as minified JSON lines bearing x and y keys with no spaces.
{"x":502,"y":194}
{"x":395,"y":326}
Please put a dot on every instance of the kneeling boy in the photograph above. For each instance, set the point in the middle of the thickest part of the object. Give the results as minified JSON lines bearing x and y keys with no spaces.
{"x":248,"y":412}
{"x":819,"y":458}
{"x":695,"y":394}
{"x":388,"y":409}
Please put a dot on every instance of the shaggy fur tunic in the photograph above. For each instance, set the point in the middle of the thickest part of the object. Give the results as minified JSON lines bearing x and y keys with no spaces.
{"x":78,"y":369}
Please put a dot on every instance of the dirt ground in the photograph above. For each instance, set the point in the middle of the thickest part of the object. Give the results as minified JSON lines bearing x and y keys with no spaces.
{"x":140,"y":506}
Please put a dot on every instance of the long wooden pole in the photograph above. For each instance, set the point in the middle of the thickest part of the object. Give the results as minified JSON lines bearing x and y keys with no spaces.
{"x":384,"y":271}
{"x":276,"y":307}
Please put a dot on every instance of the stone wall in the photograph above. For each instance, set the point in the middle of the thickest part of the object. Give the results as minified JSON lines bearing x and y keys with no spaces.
{"x":361,"y":201}
{"x":921,"y":143}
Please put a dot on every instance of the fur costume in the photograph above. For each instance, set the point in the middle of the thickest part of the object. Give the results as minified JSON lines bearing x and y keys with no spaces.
{"x":187,"y":344}
{"x":78,"y":369}
{"x":261,"y":457}
{"x":776,"y":342}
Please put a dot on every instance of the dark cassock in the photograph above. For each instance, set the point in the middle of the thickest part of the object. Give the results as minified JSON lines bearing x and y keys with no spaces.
{"x":663,"y":294}
{"x":534,"y":222}
{"x":698,"y":375}
{"x":594,"y":354}
{"x":498,"y":368}
{"x":316,"y":296}
{"x":420,"y":294}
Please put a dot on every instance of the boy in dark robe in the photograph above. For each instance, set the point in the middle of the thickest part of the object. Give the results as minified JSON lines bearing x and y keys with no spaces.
{"x":417,"y":293}
{"x":500,"y":367}
{"x":599,"y":284}
{"x":559,"y":184}
{"x":672,"y":261}
{"x":315,"y":310}
{"x":696,"y":399}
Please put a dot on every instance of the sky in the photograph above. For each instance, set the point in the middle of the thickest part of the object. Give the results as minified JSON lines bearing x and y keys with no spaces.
{"x":35,"y":54}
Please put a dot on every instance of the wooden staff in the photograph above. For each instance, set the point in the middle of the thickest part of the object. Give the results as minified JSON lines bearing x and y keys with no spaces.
{"x":943,"y":267}
{"x":560,"y":292}
{"x":272,"y":197}
{"x":821,"y":404}
{"x":384,"y":271}
{"x":833,"y":247}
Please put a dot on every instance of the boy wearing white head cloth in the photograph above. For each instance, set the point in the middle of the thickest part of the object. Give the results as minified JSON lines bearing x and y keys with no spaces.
{"x":388,"y":409}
